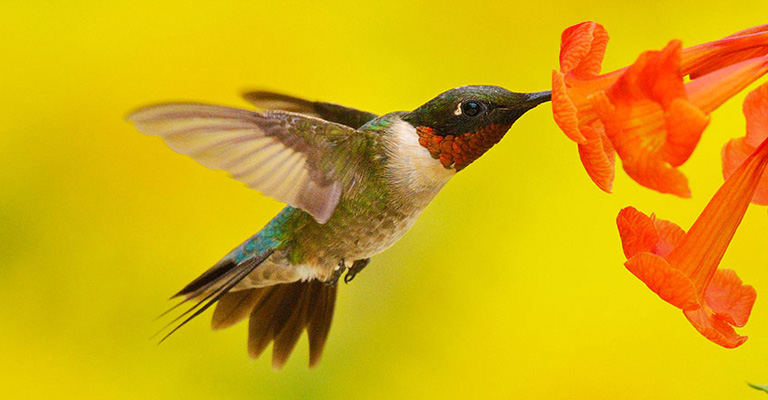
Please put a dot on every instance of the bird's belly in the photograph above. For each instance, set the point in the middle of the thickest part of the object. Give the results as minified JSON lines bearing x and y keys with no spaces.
{"x":379,"y":235}
{"x":349,"y":238}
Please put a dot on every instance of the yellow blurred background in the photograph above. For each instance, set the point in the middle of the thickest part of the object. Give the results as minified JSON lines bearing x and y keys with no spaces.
{"x":511,"y":285}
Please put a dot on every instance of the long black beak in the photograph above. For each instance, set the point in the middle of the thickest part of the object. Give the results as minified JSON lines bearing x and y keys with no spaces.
{"x":534,"y":99}
{"x":519,"y":103}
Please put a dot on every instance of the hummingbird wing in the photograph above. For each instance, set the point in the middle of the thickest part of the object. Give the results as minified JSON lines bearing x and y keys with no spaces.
{"x":348,"y":116}
{"x":287,"y":156}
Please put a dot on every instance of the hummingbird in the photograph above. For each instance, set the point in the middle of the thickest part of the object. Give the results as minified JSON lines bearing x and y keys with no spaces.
{"x":354,"y":182}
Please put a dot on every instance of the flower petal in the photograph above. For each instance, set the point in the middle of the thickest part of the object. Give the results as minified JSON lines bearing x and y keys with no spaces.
{"x":638,"y":142}
{"x":670,"y":236}
{"x":654,"y":76}
{"x":685,"y":124}
{"x":667,"y":282}
{"x":734,"y":153}
{"x":756,"y":112}
{"x":731,"y":300}
{"x":638,"y":112}
{"x":582,"y":48}
{"x":637,"y":231}
{"x":563,"y":109}
{"x":714,"y":329}
{"x":598,"y":156}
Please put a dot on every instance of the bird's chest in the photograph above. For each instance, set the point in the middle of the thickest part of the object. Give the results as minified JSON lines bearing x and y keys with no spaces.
{"x":409,"y":179}
{"x":380,"y":205}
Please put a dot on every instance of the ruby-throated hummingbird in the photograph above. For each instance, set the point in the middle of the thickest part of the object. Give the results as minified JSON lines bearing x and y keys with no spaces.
{"x":354,"y":183}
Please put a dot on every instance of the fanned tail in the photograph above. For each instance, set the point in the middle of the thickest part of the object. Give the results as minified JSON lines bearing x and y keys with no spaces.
{"x":280,"y":313}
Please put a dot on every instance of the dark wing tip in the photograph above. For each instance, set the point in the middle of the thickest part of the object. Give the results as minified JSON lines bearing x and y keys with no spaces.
{"x":208,"y":277}
{"x":277,"y":101}
{"x":210,"y":287}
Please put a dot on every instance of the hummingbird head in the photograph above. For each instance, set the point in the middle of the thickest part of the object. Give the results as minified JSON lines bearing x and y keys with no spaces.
{"x":460,"y":125}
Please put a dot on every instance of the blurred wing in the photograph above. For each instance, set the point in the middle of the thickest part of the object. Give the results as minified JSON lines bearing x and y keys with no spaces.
{"x":348,"y":116}
{"x":285,"y":156}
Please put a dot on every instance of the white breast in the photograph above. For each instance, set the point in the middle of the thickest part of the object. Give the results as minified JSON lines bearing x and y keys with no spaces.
{"x":412,"y":168}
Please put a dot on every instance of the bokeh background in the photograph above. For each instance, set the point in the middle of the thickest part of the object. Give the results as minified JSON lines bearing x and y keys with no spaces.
{"x":511,"y":285}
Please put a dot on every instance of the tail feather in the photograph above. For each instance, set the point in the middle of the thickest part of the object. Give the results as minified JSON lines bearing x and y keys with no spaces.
{"x":264,"y":318}
{"x":280,"y":314}
{"x":234,"y":307}
{"x":319,"y":321}
{"x":288,"y":335}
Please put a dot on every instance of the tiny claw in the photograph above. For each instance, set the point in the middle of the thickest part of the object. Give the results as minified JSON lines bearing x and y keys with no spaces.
{"x":356,"y":267}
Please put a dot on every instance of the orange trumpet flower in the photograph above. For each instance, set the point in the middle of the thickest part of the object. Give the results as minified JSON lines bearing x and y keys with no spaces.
{"x":682,"y":267}
{"x":646,"y":113}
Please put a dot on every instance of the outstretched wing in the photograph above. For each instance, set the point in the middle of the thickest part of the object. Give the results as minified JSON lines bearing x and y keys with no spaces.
{"x":348,"y":116}
{"x":284,"y":155}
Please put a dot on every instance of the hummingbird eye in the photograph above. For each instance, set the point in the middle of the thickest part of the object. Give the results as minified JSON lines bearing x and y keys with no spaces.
{"x":471,"y":108}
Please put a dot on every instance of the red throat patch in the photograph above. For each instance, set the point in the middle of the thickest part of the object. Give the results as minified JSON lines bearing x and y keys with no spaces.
{"x":459,"y":151}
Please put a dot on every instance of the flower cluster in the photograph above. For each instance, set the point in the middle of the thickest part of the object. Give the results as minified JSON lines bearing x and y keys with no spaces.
{"x":646,"y":113}
{"x":652,"y":114}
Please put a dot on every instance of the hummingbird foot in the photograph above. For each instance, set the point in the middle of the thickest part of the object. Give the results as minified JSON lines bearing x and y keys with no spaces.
{"x":356,"y":267}
{"x":336,"y":273}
